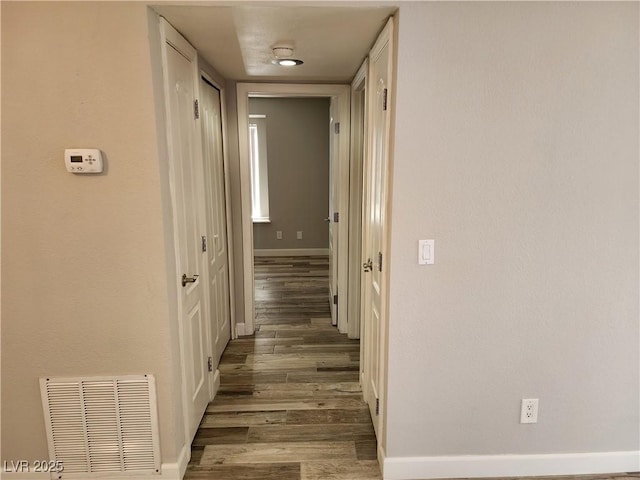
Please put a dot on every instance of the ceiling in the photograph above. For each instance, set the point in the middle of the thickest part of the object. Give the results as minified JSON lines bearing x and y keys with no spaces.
{"x":237,"y":40}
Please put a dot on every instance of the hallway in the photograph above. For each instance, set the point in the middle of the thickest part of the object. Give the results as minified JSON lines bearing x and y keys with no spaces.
{"x":289,"y":405}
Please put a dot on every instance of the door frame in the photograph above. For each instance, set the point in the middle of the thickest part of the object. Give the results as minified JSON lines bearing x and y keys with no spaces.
{"x":386,"y":38}
{"x":340,"y":94}
{"x":171,"y":37}
{"x":359,"y":151}
{"x":218,"y":83}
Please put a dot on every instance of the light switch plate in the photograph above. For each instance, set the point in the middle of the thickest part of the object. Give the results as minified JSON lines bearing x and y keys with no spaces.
{"x":426,"y":252}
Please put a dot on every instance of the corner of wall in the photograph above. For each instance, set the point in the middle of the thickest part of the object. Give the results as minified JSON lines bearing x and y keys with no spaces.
{"x":155,"y":52}
{"x":236,"y":200}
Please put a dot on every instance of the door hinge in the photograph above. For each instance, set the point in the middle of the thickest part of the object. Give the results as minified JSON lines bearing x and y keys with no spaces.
{"x":210,"y":364}
{"x":377,"y":406}
{"x":336,"y":217}
{"x":336,"y":127}
{"x":379,"y":261}
{"x":204,"y":243}
{"x":384,"y":99}
{"x":196,"y":109}
{"x":335,"y":299}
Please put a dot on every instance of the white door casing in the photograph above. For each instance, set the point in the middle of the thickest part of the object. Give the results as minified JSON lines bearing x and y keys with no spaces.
{"x":215,"y":205}
{"x":180,"y":75}
{"x":334,"y":211}
{"x":356,"y":191}
{"x":339,"y":95}
{"x":374,"y":282}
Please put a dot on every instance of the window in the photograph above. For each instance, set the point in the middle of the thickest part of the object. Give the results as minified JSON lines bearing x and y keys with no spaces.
{"x":259,"y":177}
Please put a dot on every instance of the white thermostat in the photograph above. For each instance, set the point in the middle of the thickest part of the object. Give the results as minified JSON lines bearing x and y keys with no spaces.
{"x":83,"y":160}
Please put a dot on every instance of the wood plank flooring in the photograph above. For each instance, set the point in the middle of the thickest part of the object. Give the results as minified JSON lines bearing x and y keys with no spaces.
{"x":289,"y":405}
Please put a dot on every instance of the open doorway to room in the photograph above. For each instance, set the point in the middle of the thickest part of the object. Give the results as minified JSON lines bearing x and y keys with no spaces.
{"x":289,"y":145}
{"x":320,"y":203}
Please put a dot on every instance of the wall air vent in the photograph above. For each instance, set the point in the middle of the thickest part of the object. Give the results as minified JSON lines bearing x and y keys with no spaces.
{"x":102,"y":426}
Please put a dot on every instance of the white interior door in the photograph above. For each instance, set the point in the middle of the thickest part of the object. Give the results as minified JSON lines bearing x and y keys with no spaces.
{"x":216,"y":240}
{"x":374,"y":223}
{"x":334,"y":202}
{"x":180,"y":76}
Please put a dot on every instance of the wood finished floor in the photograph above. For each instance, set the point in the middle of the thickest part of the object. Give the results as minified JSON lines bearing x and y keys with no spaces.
{"x":289,"y":405}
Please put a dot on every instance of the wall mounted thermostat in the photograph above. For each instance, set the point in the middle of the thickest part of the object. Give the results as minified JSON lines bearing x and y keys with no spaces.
{"x":83,"y":160}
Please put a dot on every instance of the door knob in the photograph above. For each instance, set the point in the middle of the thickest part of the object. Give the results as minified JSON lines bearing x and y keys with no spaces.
{"x":367,"y":266}
{"x":328,"y":219}
{"x":186,"y":279}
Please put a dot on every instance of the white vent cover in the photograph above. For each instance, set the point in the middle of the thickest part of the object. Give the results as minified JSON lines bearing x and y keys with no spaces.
{"x":102,"y":426}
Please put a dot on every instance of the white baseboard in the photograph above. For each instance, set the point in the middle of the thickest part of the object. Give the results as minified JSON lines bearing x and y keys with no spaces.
{"x":216,"y":382}
{"x":381,"y":456}
{"x":172,"y":471}
{"x":478,"y":466}
{"x":290,"y":252}
{"x":240,"y":329}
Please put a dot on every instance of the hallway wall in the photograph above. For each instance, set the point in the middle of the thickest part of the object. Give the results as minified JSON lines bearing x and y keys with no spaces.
{"x":236,"y":197}
{"x":516,"y":149}
{"x":83,"y":257}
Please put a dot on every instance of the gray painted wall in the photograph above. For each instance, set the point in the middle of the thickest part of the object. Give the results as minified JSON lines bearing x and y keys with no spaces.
{"x":516,"y":149}
{"x":298,"y":157}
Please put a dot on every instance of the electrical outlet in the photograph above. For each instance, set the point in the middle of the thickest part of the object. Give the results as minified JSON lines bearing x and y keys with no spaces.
{"x":529,"y":410}
{"x":299,"y":235}
{"x":278,"y":234}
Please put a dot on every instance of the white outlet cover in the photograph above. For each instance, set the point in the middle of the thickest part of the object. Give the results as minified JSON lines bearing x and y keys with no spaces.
{"x":529,"y":410}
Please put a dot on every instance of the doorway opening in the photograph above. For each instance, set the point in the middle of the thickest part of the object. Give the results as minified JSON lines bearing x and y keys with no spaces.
{"x":338,"y":192}
{"x":289,"y":141}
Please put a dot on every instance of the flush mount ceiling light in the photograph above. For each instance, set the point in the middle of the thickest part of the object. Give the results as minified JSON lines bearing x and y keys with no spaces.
{"x":288,"y":62}
{"x":283,"y":56}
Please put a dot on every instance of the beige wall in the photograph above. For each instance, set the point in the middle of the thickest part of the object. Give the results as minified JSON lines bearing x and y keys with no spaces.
{"x":298,"y":166}
{"x":516,"y":149}
{"x":85,"y":254}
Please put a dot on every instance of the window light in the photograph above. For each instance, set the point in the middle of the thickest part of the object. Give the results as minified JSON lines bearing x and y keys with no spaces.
{"x":258,"y":161}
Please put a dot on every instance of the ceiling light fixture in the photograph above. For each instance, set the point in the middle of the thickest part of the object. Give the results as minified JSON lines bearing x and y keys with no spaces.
{"x":283,"y":56}
{"x":288,"y":62}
